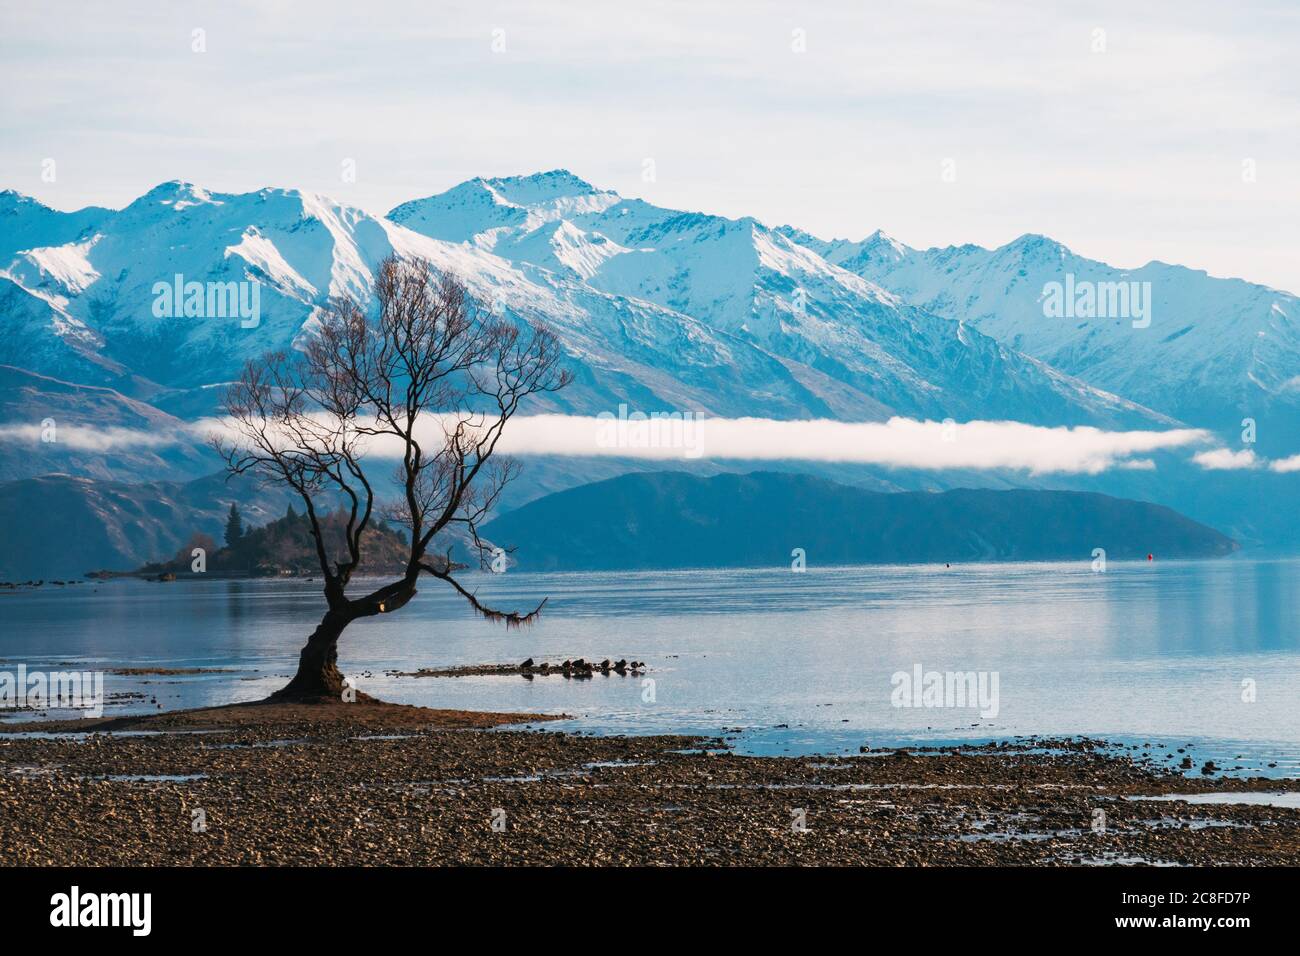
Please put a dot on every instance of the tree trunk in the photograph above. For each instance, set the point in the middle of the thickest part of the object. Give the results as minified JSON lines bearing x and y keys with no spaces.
{"x":318,"y":672}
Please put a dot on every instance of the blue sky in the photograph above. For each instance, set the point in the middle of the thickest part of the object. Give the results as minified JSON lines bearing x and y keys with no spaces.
{"x":1129,"y":153}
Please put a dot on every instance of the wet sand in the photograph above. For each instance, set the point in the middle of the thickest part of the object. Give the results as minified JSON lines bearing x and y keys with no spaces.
{"x":382,"y":784}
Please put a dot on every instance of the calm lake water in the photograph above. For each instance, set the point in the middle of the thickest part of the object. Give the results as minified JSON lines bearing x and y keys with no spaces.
{"x":779,"y":662}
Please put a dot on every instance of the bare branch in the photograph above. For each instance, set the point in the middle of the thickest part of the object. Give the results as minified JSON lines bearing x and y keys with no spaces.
{"x":511,"y":619}
{"x":424,"y":374}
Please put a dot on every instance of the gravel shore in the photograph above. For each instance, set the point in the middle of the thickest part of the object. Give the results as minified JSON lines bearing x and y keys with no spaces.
{"x":379,"y":784}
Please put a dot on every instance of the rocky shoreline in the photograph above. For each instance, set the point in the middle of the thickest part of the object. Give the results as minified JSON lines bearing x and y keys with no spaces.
{"x":381,"y":784}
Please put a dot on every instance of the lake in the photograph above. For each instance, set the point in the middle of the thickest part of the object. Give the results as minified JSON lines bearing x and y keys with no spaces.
{"x":1205,"y":654}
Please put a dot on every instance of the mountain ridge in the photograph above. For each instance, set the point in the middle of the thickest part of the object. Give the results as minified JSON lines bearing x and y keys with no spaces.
{"x":671,"y":520}
{"x":648,"y":319}
{"x":1216,"y":349}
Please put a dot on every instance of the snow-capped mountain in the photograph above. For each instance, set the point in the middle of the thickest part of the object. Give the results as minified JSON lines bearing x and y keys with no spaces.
{"x":1215,"y":350}
{"x":657,"y":308}
{"x":856,"y":349}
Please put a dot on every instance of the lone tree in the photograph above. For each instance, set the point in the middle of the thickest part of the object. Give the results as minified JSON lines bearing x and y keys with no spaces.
{"x":432,"y":381}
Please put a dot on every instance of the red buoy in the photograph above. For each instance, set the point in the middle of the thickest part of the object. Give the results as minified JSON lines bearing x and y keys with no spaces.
{"x":1150,"y":557}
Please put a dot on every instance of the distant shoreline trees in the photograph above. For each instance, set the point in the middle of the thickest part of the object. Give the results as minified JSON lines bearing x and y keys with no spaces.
{"x":234,"y":526}
{"x":285,"y":546}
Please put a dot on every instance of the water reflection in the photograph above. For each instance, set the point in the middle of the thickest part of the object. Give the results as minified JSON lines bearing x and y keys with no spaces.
{"x":1141,"y":651}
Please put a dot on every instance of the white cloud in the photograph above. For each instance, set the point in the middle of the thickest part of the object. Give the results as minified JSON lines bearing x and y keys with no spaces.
{"x":1285,"y":465}
{"x":1225,"y":459}
{"x":99,"y":440}
{"x":897,"y":443}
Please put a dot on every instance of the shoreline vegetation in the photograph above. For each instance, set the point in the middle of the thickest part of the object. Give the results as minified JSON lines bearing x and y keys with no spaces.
{"x":374,"y":783}
{"x":284,"y":547}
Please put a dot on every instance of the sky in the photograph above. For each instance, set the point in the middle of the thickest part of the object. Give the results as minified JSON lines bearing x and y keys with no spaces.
{"x":1130,"y":132}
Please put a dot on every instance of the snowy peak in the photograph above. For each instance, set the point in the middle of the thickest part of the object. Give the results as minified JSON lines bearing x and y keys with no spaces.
{"x":738,"y":272}
{"x":885,"y":244}
{"x":476,"y":209}
{"x":539,"y":188}
{"x":176,"y":194}
{"x":876,"y":249}
{"x":1033,"y":248}
{"x":461,"y":213}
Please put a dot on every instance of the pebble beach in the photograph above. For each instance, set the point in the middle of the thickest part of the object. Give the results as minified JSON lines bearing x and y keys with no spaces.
{"x":377,"y":784}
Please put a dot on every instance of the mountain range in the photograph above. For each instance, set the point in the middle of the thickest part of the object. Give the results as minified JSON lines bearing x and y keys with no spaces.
{"x":656,"y":308}
{"x":1215,"y":349}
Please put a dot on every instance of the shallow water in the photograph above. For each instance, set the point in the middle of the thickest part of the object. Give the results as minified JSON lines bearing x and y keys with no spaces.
{"x":780,"y":662}
{"x":1286,"y":798}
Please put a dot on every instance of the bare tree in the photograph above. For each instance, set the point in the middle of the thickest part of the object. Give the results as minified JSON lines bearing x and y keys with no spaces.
{"x":431,"y":377}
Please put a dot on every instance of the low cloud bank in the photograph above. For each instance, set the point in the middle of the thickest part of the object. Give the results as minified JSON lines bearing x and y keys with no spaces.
{"x":101,"y":440}
{"x":897,"y":443}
